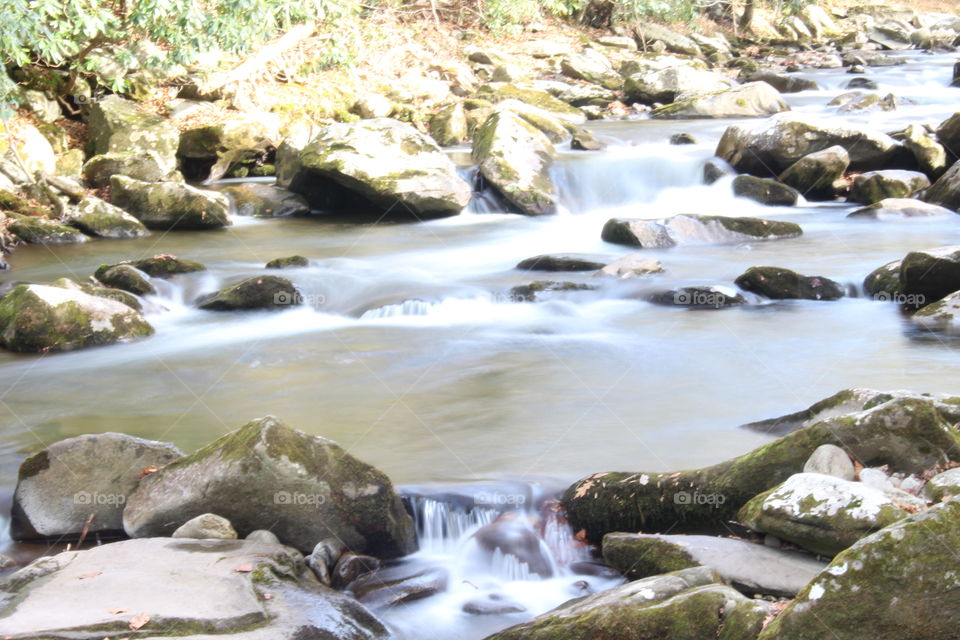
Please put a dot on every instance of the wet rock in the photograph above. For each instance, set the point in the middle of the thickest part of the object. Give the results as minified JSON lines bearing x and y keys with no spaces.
{"x":534,"y":292}
{"x":289,"y":262}
{"x":693,"y":600}
{"x":265,"y":201}
{"x":699,"y":298}
{"x":900,"y":207}
{"x":43,"y":231}
{"x":560,"y":263}
{"x":259,"y":292}
{"x":213,"y":149}
{"x":591,"y":568}
{"x":397,"y":586}
{"x":60,"y":487}
{"x":634,"y":265}
{"x":862,"y":83}
{"x":830,"y":460}
{"x":206,"y":526}
{"x":928,"y":276}
{"x":109,"y":293}
{"x":493,"y":604}
{"x":170,"y":205}
{"x":772,"y":146}
{"x":814,"y":174}
{"x":821,"y":513}
{"x":783,"y":284}
{"x":667,"y":85}
{"x":104,"y":220}
{"x":511,"y":534}
{"x":714,"y":169}
{"x":323,"y":559}
{"x":875,"y":186}
{"x":515,"y":157}
{"x":765,"y":191}
{"x":883,"y":283}
{"x":908,"y":433}
{"x":856,"y":101}
{"x":930,"y":154}
{"x":147,"y":166}
{"x":783,"y":82}
{"x":948,"y":133}
{"x":591,"y":66}
{"x":941,"y":316}
{"x":946,"y":191}
{"x":39,"y":318}
{"x":751,"y":568}
{"x":584,"y":140}
{"x":350,"y":567}
{"x":754,"y":99}
{"x":118,"y":126}
{"x":449,"y":126}
{"x":165,"y":265}
{"x":178,"y":587}
{"x":658,"y":234}
{"x":890,"y":585}
{"x":302,"y":487}
{"x":646,"y":234}
{"x":943,"y":485}
{"x":126,"y":278}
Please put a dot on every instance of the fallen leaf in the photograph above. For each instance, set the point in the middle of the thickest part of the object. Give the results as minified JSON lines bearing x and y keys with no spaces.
{"x":137,"y":621}
{"x":244,"y":568}
{"x":267,"y":596}
{"x":117,"y":611}
{"x":92,"y":574}
{"x":148,"y":470}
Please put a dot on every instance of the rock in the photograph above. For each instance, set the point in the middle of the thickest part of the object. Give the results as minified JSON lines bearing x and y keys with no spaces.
{"x":857,"y":101}
{"x":941,"y":316}
{"x":206,"y":526}
{"x":508,"y":73}
{"x":765,"y":191}
{"x":714,"y":169}
{"x":303,"y":487}
{"x":830,"y":460}
{"x":890,"y":585}
{"x":890,"y":35}
{"x":212,"y":150}
{"x":449,"y":126}
{"x":385,"y":163}
{"x":783,"y":82}
{"x":118,"y":295}
{"x":586,"y":95}
{"x":618,"y":42}
{"x":775,"y":144}
{"x":544,"y":49}
{"x":259,"y":292}
{"x":929,"y":275}
{"x":191,"y":589}
{"x":498,"y":92}
{"x":165,"y":265}
{"x":841,"y":403}
{"x":126,"y":278}
{"x":117,"y":125}
{"x":754,"y":99}
{"x":908,"y":433}
{"x":147,"y":166}
{"x":554,"y":129}
{"x":265,"y":201}
{"x":948,"y":133}
{"x":515,"y":158}
{"x":170,"y":205}
{"x":289,"y":262}
{"x":699,"y":298}
{"x":34,"y":150}
{"x":671,"y":231}
{"x":492,"y":604}
{"x":930,"y":154}
{"x":350,"y":567}
{"x":862,"y":83}
{"x":584,"y":140}
{"x":783,"y":284}
{"x":559,"y":263}
{"x":396,"y":586}
{"x":632,"y":266}
{"x":373,"y":105}
{"x":39,"y":318}
{"x":875,"y":186}
{"x":943,"y":485}
{"x":323,"y":559}
{"x":750,"y":568}
{"x":946,"y":191}
{"x":512,"y":535}
{"x":6,"y":562}
{"x":46,"y":109}
{"x":900,"y":207}
{"x":648,"y":32}
{"x":43,"y":231}
{"x":666,"y":85}
{"x":682,"y":138}
{"x":814,"y":174}
{"x":883,"y":283}
{"x":104,"y":220}
{"x":59,"y":487}
{"x":693,"y":600}
{"x":532,"y":292}
{"x":821,"y":513}
{"x":591,"y":66}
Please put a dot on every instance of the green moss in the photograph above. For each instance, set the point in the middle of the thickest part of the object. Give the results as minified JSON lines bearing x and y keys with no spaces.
{"x":33,"y":465}
{"x":640,"y":557}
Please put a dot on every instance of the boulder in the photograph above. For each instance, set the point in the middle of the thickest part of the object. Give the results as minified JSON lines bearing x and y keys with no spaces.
{"x":305,"y":488}
{"x":883,"y":283}
{"x":943,"y":485}
{"x":449,"y":126}
{"x":35,"y":152}
{"x":765,"y":191}
{"x":40,"y":318}
{"x":948,"y":134}
{"x":783,"y":82}
{"x":348,"y":567}
{"x":946,"y":190}
{"x":755,"y":99}
{"x":214,"y":149}
{"x":930,"y":154}
{"x":692,"y":604}
{"x":822,"y":513}
{"x":814,"y":174}
{"x":170,"y":205}
{"x":265,"y":201}
{"x":382,"y":163}
{"x":748,"y":567}
{"x":875,"y":186}
{"x":43,"y":231}
{"x":830,"y":460}
{"x":942,"y":316}
{"x":899,"y":208}
{"x":650,"y":234}
{"x":104,"y":220}
{"x":515,"y":157}
{"x":783,"y":284}
{"x":147,"y":166}
{"x":259,"y":292}
{"x":512,"y":535}
{"x":704,"y":297}
{"x":288,"y":262}
{"x":165,"y":265}
{"x":191,"y":589}
{"x":584,"y":140}
{"x":554,"y":129}
{"x":856,"y":101}
{"x":591,"y":66}
{"x":632,"y":266}
{"x":666,"y":85}
{"x":583,"y":95}
{"x":929,"y":275}
{"x":772,"y":146}
{"x":533,"y":291}
{"x":117,"y":125}
{"x":398,"y":586}
{"x":109,"y":293}
{"x":648,"y":32}
{"x":63,"y":485}
{"x":908,"y":433}
{"x":841,"y":403}
{"x":894,"y":584}
{"x":560,"y":263}
{"x":497,"y":92}
{"x":206,"y":526}
{"x":126,"y":278}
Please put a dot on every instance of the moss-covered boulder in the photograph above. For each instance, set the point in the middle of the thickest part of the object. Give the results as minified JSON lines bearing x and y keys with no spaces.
{"x":899,"y":208}
{"x":692,"y":604}
{"x":772,"y":146}
{"x":752,"y":100}
{"x":165,"y":265}
{"x":942,"y":316}
{"x":822,"y":513}
{"x":765,"y":191}
{"x":946,"y":190}
{"x":171,"y":205}
{"x":449,"y":125}
{"x":383,"y":163}
{"x":37,"y":318}
{"x":497,"y":92}
{"x":647,"y":33}
{"x":288,"y":262}
{"x":931,"y":155}
{"x":783,"y":284}
{"x":125,"y":277}
{"x":265,"y":201}
{"x":782,"y":82}
{"x":117,"y":125}
{"x":213,"y":149}
{"x":59,"y":487}
{"x":883,"y":283}
{"x":874,"y":186}
{"x":591,"y":66}
{"x":948,"y":132}
{"x":140,"y":165}
{"x":859,"y":101}
{"x":751,"y":568}
{"x":897,"y":583}
{"x":943,"y":485}
{"x":666,"y":85}
{"x":555,"y":129}
{"x":104,"y":220}
{"x":929,"y":275}
{"x":669,"y":232}
{"x":43,"y":231}
{"x":99,"y":291}
{"x":560,"y":262}
{"x":699,"y":297}
{"x":266,"y":475}
{"x":813,"y":175}
{"x":908,"y":433}
{"x":259,"y":292}
{"x":515,"y":157}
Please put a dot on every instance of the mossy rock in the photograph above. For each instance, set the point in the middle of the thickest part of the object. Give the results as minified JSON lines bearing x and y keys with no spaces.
{"x":941,"y":316}
{"x":755,"y":99}
{"x":929,"y":275}
{"x":125,"y":277}
{"x":908,"y":433}
{"x":265,"y":201}
{"x":449,"y":126}
{"x":883,"y":283}
{"x":109,"y":293}
{"x":533,"y":292}
{"x":259,"y":292}
{"x":117,"y":125}
{"x":43,"y":231}
{"x":165,"y":265}
{"x":288,"y":262}
{"x":498,"y":92}
{"x":765,"y":191}
{"x":146,"y":166}
{"x":875,"y":186}
{"x":171,"y":205}
{"x":783,"y":284}
{"x":814,"y":174}
{"x":104,"y":220}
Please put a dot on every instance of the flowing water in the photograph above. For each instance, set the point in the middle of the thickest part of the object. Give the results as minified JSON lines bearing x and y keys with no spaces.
{"x":411,"y":354}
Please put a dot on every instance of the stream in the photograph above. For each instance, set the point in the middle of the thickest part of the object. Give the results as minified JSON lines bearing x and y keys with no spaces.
{"x":411,"y":354}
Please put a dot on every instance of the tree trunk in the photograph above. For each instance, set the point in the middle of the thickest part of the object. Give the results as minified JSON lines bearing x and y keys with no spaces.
{"x":747,"y":17}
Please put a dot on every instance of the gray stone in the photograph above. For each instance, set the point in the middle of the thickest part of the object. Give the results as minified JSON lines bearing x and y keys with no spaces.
{"x":755,"y":99}
{"x":830,"y":460}
{"x":104,"y":220}
{"x":875,"y":186}
{"x":900,"y":207}
{"x":943,"y":485}
{"x":206,"y":526}
{"x":171,"y":205}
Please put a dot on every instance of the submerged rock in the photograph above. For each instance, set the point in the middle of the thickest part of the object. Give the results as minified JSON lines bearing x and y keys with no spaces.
{"x":512,"y":535}
{"x":560,"y":263}
{"x":171,"y":205}
{"x":397,"y":586}
{"x":658,"y":234}
{"x":289,"y":262}
{"x":535,"y":291}
{"x":765,"y":191}
{"x":632,"y":266}
{"x":259,"y":292}
{"x":783,"y":284}
{"x":104,"y":220}
{"x":875,"y":186}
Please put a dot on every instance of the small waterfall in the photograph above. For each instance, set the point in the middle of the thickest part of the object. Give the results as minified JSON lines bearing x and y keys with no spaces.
{"x":405,"y":308}
{"x":441,"y":526}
